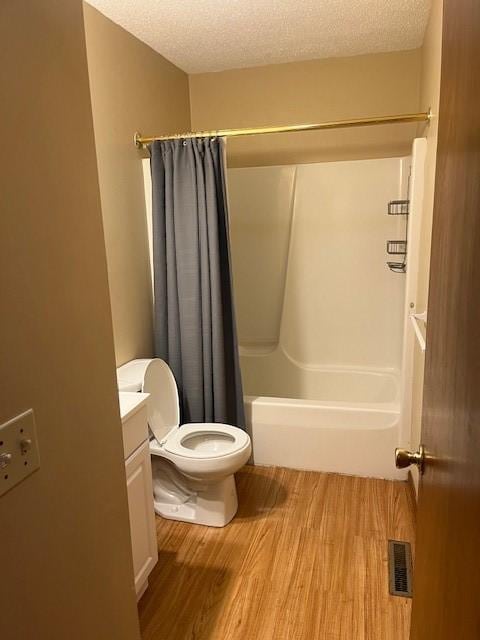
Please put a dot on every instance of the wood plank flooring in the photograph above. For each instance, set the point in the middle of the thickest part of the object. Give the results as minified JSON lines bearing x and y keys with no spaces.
{"x":304,"y":559}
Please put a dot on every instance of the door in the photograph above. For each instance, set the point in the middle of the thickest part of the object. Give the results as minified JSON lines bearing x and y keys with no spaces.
{"x":446,"y":603}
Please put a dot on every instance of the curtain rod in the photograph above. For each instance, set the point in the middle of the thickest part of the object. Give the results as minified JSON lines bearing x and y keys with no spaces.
{"x":423,"y":116}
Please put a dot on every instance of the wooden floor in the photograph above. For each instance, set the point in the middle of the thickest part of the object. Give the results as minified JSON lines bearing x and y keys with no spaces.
{"x":304,"y":559}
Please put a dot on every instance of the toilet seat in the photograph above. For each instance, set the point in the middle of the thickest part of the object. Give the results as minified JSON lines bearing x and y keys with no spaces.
{"x":193,"y":441}
{"x":204,"y":460}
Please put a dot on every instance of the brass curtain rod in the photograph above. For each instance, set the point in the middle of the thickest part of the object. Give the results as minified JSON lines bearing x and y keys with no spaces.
{"x":423,"y":116}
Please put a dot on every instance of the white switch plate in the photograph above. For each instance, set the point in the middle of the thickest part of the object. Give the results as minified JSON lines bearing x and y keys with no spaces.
{"x":18,"y":450}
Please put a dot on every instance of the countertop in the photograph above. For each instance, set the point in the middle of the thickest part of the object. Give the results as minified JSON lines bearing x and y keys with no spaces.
{"x":130,"y":402}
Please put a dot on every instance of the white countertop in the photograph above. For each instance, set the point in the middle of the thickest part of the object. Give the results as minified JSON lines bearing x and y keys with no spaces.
{"x":130,"y":402}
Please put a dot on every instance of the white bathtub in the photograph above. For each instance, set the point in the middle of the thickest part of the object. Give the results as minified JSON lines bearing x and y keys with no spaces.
{"x":345,"y":420}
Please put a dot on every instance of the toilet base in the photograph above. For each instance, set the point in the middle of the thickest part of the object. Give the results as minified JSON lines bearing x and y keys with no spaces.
{"x":213,"y":505}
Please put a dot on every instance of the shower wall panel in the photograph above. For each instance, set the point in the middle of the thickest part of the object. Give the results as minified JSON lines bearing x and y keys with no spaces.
{"x":343,"y":307}
{"x":311,"y":283}
{"x":261,"y":201}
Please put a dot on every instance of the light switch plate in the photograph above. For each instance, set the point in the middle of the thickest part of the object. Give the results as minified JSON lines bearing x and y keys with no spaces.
{"x":18,"y":450}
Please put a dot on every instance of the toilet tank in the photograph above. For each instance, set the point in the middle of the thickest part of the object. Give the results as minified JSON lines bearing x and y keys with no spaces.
{"x":130,"y":375}
{"x":153,"y":376}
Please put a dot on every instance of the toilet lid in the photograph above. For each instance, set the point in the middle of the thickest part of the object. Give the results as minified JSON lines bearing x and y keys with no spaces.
{"x":163,"y":406}
{"x":206,"y":440}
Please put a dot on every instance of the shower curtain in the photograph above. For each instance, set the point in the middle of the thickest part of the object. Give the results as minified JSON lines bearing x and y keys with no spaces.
{"x":194,"y":318}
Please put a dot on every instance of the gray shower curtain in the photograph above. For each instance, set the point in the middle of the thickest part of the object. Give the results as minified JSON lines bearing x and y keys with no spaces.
{"x":194,"y":319}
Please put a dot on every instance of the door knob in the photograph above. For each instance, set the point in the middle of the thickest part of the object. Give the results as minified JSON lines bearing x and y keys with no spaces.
{"x":404,"y":458}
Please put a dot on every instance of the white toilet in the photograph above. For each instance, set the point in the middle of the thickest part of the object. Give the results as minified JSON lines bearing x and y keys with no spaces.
{"x":192,"y":464}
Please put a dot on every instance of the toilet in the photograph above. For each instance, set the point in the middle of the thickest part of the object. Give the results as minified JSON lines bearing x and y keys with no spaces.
{"x":192,"y":464}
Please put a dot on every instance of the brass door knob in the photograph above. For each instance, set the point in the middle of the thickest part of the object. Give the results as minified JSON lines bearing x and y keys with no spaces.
{"x":404,"y":458}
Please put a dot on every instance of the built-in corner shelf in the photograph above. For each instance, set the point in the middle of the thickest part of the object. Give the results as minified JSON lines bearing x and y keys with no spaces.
{"x":398,"y":247}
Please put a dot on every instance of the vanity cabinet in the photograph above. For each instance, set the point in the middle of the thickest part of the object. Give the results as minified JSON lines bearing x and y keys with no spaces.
{"x":138,"y":468}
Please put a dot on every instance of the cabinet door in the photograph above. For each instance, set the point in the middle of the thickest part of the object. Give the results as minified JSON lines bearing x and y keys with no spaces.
{"x":142,"y":516}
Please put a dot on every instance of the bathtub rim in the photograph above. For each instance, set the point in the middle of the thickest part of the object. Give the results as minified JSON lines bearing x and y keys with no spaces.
{"x":367,"y":407}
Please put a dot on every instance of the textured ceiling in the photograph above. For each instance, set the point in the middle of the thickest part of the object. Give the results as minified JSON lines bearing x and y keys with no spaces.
{"x":212,"y":35}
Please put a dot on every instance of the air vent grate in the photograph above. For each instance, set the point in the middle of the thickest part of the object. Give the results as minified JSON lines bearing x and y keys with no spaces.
{"x":400,"y":568}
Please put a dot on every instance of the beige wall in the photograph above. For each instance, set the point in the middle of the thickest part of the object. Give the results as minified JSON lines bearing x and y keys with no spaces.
{"x":317,"y":90}
{"x":65,"y":558}
{"x":133,"y":89}
{"x":430,"y":97}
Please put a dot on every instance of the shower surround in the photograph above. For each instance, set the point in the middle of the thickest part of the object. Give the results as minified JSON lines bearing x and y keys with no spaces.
{"x":320,"y":317}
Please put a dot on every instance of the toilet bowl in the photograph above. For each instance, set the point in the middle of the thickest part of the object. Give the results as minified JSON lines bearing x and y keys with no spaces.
{"x":192,"y":464}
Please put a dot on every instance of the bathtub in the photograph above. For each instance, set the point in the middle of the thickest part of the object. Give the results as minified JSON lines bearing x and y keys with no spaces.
{"x":344,"y":420}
